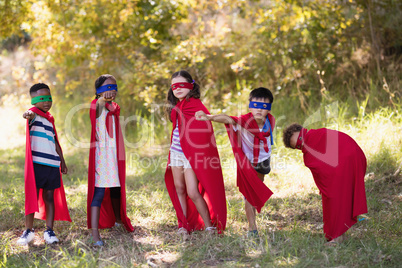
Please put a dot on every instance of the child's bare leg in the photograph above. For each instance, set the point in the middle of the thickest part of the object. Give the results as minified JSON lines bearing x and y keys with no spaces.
{"x":251,"y":215}
{"x":194,"y":194}
{"x":116,"y":209}
{"x":251,"y":212}
{"x":115,"y":197}
{"x":48,"y":198}
{"x":95,"y":213}
{"x":29,"y":219}
{"x":180,"y":186}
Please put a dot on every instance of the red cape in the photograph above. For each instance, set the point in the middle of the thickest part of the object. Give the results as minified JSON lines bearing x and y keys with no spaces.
{"x":338,"y":166}
{"x":198,"y":143}
{"x":253,"y":189}
{"x":107,"y":218}
{"x":32,"y":203}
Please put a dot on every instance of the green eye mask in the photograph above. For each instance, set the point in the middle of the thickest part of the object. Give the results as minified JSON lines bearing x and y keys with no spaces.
{"x":43,"y":98}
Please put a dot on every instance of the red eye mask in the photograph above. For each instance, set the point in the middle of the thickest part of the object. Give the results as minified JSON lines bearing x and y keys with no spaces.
{"x":182,"y":85}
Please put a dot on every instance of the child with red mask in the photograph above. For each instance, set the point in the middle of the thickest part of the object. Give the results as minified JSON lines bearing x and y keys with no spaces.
{"x":193,"y":176}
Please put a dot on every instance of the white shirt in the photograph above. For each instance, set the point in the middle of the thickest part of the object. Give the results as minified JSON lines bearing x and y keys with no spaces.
{"x":106,"y":168}
{"x":247,"y":143}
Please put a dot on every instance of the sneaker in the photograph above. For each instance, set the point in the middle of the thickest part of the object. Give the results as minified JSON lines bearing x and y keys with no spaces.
{"x":182,"y":230}
{"x":211,"y":230}
{"x":253,"y":234}
{"x":183,"y":233}
{"x":27,"y":236}
{"x":99,"y":243}
{"x":50,"y":237}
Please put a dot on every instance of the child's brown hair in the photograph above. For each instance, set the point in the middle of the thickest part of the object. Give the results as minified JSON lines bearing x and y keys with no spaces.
{"x":288,"y":133}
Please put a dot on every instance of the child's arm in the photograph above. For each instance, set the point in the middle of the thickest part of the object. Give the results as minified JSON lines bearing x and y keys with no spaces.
{"x":29,"y":115}
{"x":220,"y":118}
{"x":100,"y":104}
{"x":63,"y":165}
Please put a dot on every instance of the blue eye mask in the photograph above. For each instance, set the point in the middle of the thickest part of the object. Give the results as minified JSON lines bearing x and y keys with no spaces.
{"x":104,"y":88}
{"x":260,"y":105}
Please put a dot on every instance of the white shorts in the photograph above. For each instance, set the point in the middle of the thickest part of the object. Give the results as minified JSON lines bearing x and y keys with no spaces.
{"x":178,"y":160}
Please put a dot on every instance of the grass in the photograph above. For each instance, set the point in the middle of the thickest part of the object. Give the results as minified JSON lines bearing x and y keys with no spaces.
{"x":290,"y":223}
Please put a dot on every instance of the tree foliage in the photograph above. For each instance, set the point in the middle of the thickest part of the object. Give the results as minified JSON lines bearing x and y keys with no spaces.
{"x":309,"y":50}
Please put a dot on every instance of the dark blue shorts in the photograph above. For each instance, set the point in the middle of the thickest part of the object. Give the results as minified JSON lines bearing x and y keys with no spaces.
{"x":99,"y":194}
{"x":47,"y":177}
{"x":264,"y":167}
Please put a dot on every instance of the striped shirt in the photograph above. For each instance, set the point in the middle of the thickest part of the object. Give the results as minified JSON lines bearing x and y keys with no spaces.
{"x":43,"y":145}
{"x":176,"y":139}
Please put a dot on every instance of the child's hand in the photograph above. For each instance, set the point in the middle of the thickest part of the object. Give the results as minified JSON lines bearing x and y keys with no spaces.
{"x":29,"y":115}
{"x":101,"y":101}
{"x":63,"y":167}
{"x":201,"y":116}
{"x":110,"y":95}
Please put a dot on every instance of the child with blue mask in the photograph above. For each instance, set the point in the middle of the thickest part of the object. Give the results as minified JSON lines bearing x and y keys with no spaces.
{"x":251,"y":139}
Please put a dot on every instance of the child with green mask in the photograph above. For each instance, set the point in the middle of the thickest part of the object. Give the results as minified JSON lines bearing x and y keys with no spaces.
{"x":44,"y":162}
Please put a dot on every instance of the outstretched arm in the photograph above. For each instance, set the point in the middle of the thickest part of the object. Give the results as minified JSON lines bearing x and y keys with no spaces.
{"x":29,"y":115}
{"x":220,"y":118}
{"x":100,"y":104}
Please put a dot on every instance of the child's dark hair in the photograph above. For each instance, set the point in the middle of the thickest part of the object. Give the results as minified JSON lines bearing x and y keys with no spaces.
{"x":101,"y":79}
{"x":261,"y":93}
{"x":288,"y":133}
{"x":172,"y":100}
{"x":38,"y":86}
